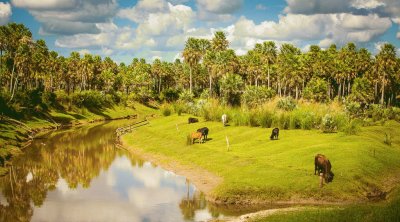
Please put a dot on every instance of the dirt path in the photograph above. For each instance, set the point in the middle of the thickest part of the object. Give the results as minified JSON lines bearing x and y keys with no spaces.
{"x":261,"y":214}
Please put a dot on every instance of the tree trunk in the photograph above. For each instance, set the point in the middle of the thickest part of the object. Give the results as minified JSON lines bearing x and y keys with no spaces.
{"x":297,"y":92}
{"x":210,"y":86}
{"x":376,"y":91}
{"x":383,"y":92}
{"x":339,"y":89}
{"x":268,"y":78}
{"x":190,"y":80}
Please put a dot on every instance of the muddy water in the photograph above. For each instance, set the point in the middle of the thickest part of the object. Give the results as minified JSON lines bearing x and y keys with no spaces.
{"x":79,"y":175}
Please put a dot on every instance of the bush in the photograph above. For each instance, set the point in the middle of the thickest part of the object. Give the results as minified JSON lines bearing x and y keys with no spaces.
{"x":316,"y":90}
{"x":388,"y":139}
{"x":169,"y":95}
{"x":166,"y":110}
{"x":265,"y":118}
{"x":353,"y":109}
{"x":186,"y":96}
{"x":254,"y":96}
{"x":353,"y":127}
{"x":286,"y":103}
{"x":91,"y":99}
{"x":328,"y":124}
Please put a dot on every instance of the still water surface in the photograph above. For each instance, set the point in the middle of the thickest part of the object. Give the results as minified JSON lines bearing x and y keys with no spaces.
{"x":79,"y":175}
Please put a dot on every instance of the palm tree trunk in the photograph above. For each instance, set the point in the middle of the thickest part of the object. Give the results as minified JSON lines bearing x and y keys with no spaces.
{"x":210,"y":85}
{"x":268,"y":78}
{"x":190,"y":81}
{"x":376,"y":91}
{"x":383,"y":92}
{"x":339,"y":89}
{"x":297,"y":92}
{"x":12,"y":77}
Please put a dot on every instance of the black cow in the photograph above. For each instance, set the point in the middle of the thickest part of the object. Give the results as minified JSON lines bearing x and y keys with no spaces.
{"x":274,"y":134}
{"x":323,"y":165}
{"x":192,"y":120}
{"x":204,"y":132}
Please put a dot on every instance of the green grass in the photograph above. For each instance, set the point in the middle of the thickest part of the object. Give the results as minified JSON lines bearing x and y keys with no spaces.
{"x":258,"y":169}
{"x":384,"y":211}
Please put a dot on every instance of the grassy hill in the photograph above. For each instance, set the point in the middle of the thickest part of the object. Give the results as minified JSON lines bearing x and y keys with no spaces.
{"x":257,"y":170}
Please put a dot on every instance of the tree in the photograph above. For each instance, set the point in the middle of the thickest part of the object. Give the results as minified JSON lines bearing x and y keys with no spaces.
{"x":386,"y":63}
{"x":289,"y":68}
{"x":219,"y":42}
{"x":231,"y":88}
{"x":192,"y":55}
{"x":268,"y":53}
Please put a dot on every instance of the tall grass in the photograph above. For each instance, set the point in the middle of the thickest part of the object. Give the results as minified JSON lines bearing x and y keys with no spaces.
{"x":305,"y":115}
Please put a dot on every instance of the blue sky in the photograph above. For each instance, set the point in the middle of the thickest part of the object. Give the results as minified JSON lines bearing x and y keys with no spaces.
{"x":124,"y":29}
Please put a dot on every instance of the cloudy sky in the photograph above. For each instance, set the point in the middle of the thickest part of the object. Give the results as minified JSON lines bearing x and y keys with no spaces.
{"x":124,"y":29}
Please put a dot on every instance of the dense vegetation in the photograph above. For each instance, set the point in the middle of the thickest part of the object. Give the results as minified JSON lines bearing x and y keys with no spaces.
{"x":36,"y":81}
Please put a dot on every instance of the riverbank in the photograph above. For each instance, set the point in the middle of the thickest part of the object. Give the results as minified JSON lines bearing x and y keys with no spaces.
{"x":258,"y":171}
{"x":17,"y":134}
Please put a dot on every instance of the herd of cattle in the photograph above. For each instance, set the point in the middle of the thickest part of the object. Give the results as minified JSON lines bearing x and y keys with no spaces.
{"x":322,"y":165}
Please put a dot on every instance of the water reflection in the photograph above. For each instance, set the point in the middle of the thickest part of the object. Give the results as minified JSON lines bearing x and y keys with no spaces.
{"x":78,"y":175}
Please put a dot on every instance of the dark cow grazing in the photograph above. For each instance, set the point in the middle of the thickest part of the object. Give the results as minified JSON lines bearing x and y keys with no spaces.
{"x":204,"y":132}
{"x":196,"y":135}
{"x":192,"y":120}
{"x":274,"y":134}
{"x":323,"y":165}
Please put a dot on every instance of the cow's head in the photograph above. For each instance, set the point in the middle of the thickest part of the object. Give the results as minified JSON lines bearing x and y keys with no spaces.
{"x":329,"y":177}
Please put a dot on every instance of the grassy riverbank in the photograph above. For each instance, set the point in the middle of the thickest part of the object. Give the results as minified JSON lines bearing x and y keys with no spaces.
{"x":15,"y":134}
{"x":257,"y":170}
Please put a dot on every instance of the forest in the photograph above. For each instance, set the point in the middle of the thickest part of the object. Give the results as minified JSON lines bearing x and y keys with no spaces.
{"x":35,"y":78}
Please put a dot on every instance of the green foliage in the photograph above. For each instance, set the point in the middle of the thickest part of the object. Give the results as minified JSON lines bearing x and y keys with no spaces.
{"x":254,"y":96}
{"x":362,"y":91}
{"x":231,"y":88}
{"x":166,"y":109}
{"x":286,"y":103}
{"x":353,"y":109}
{"x":91,"y":99}
{"x":316,"y":90}
{"x":353,"y":127}
{"x":328,"y":124}
{"x":186,"y":96}
{"x":388,"y":139}
{"x":169,"y":95}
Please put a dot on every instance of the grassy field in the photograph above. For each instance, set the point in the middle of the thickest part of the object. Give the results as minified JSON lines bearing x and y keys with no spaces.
{"x":258,"y":170}
{"x":382,"y":211}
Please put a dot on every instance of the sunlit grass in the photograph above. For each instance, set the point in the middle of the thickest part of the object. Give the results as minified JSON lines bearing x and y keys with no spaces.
{"x":257,"y":168}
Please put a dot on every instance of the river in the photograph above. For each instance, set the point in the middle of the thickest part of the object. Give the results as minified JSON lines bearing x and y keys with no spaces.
{"x":78,"y":174}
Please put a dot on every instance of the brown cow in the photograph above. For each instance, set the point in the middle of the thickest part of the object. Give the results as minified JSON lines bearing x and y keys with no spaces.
{"x":323,"y":165}
{"x":196,"y":135}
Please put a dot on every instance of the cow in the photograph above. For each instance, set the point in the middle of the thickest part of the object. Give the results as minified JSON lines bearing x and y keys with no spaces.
{"x":274,"y":134}
{"x":323,"y":165}
{"x":224,"y":119}
{"x":204,"y":132}
{"x":196,"y":135}
{"x":192,"y":120}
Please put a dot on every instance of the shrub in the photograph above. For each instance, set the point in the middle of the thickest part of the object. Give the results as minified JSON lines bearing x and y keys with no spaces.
{"x":376,"y":112}
{"x":388,"y":139}
{"x":316,"y":90}
{"x":91,"y":99}
{"x":231,"y":88}
{"x":186,"y":96}
{"x":265,"y":118}
{"x":254,"y":96}
{"x":328,"y":124}
{"x":286,"y":103}
{"x":353,"y":127}
{"x":169,"y":95}
{"x":166,"y":109}
{"x":353,"y":109}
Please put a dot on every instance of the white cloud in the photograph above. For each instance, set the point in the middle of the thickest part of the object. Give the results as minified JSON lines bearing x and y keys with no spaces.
{"x":68,"y":17}
{"x":220,"y":6}
{"x":366,"y":4}
{"x":384,"y":8}
{"x":44,"y":4}
{"x":338,"y":28}
{"x":5,"y":12}
{"x":142,"y":9}
{"x":84,"y":51}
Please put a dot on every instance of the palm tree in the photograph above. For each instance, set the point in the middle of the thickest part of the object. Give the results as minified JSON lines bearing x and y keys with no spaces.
{"x":386,"y":63}
{"x":219,"y":42}
{"x":269,"y":53}
{"x":192,"y":55}
{"x":289,"y":68}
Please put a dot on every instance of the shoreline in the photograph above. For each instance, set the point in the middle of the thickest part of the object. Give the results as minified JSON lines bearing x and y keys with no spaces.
{"x":206,"y":182}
